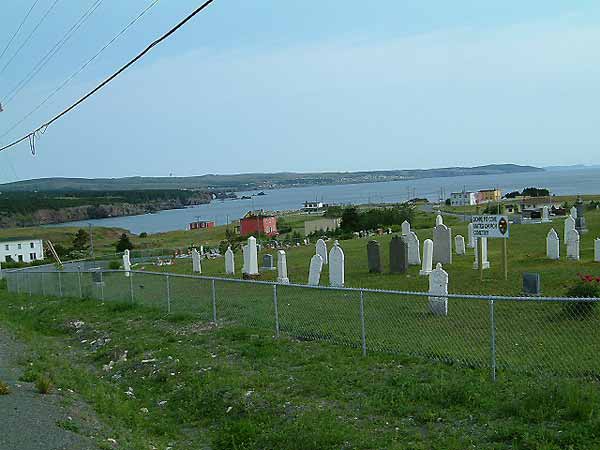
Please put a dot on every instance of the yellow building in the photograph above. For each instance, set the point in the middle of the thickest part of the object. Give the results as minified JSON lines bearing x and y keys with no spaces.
{"x":490,"y":195}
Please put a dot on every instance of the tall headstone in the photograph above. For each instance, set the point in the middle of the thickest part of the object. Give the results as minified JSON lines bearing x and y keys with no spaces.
{"x":405,"y":228}
{"x":374,"y":257}
{"x":573,"y":245}
{"x":545,"y":214}
{"x":569,"y":226}
{"x":442,"y":244}
{"x":267,"y":262}
{"x":596,"y":252}
{"x":252,"y":267}
{"x":459,"y":244}
{"x":427,"y":265}
{"x":229,"y":262}
{"x":573,"y":212}
{"x":439,"y":220}
{"x":532,"y":284}
{"x":196,"y":266}
{"x":245,"y":258}
{"x":126,"y":262}
{"x":484,"y":251}
{"x":282,"y":273}
{"x":414,"y":248}
{"x":470,"y":235}
{"x":438,"y":286}
{"x":322,"y":250}
{"x":552,"y":245}
{"x":314,"y":272}
{"x":580,"y":224}
{"x":336,"y":266}
{"x":1,"y":274}
{"x":398,"y":255}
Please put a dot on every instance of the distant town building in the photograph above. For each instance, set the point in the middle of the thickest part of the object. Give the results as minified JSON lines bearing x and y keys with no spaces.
{"x":258,"y":222}
{"x":324,"y":224}
{"x":489,"y":195}
{"x":532,"y":206}
{"x":21,"y":250}
{"x":463,"y":198}
{"x":201,"y":224}
{"x":314,"y":206}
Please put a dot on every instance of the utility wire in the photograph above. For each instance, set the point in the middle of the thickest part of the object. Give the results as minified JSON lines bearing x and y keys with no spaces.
{"x":19,"y":28}
{"x":51,"y":53}
{"x":48,"y":11}
{"x":82,"y":68}
{"x":42,"y":128}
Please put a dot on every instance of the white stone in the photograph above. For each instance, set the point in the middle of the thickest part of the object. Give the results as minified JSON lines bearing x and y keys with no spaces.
{"x":545,"y":215}
{"x":336,"y":266}
{"x":244,"y":258}
{"x":459,"y":244}
{"x":405,"y":228}
{"x":196,"y":266}
{"x":438,"y":285}
{"x":126,"y":262}
{"x":442,"y":244}
{"x":414,"y":248}
{"x":569,"y":225}
{"x":552,"y":245}
{"x":574,"y":212}
{"x":322,"y":250}
{"x":596,"y":253}
{"x":252,"y":267}
{"x":202,"y":250}
{"x":282,"y":273}
{"x":1,"y":274}
{"x":427,"y":257}
{"x":573,"y":245}
{"x":229,"y":262}
{"x":439,"y":220}
{"x":486,"y":263}
{"x":470,"y":235}
{"x":314,"y":273}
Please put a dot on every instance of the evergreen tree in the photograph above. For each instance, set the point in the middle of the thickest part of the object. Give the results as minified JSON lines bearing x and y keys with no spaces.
{"x":123,"y":244}
{"x":81,"y":240}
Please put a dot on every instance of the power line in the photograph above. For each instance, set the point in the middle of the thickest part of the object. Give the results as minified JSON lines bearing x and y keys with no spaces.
{"x":82,"y":68}
{"x":18,"y":29}
{"x":51,"y":53}
{"x":48,"y":11}
{"x":42,"y":128}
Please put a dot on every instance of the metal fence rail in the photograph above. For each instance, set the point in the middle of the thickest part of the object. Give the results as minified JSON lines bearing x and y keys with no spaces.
{"x":547,"y":335}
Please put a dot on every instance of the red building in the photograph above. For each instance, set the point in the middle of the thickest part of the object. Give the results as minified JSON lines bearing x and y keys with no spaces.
{"x":201,"y":224}
{"x":257,"y":222}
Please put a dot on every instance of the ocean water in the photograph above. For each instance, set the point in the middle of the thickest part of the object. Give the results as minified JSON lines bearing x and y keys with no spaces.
{"x":560,"y":182}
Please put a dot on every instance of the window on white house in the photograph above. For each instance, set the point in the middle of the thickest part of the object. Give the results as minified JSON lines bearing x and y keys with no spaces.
{"x":19,"y":246}
{"x":6,"y":247}
{"x":31,"y":245}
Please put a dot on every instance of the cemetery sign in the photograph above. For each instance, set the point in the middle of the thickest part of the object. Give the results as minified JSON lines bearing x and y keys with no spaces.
{"x":490,"y":227}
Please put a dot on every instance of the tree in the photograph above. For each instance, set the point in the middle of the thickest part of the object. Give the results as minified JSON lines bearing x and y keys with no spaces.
{"x":350,"y":219}
{"x":81,"y":240}
{"x":123,"y":244}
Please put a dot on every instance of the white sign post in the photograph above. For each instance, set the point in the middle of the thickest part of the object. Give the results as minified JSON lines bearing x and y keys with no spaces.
{"x":494,"y":227}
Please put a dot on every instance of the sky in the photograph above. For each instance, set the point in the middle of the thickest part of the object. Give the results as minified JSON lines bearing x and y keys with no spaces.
{"x":333,"y":85}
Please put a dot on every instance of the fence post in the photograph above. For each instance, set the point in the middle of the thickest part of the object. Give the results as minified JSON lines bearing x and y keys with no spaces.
{"x":101,"y":285}
{"x":18,"y":284}
{"x":131,"y":287}
{"x":168,"y":295}
{"x":60,"y":292}
{"x":493,"y":340}
{"x":276,"y":311}
{"x":29,"y":283}
{"x":214,"y":301}
{"x":362,"y":324}
{"x":79,"y":280}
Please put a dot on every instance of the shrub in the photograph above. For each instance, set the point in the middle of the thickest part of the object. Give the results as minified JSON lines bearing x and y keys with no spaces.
{"x":4,"y":389}
{"x":143,"y":234}
{"x":43,"y":384}
{"x":587,"y":286}
{"x":114,"y":265}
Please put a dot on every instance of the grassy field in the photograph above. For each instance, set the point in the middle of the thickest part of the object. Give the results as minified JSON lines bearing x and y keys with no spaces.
{"x":177,"y":381}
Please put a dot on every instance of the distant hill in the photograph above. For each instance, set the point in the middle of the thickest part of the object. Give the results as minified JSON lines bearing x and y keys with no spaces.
{"x":252,"y":181}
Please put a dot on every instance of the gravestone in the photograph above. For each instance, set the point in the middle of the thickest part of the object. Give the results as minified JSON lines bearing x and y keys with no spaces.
{"x":252,"y":267}
{"x":580,"y":225}
{"x":426,"y":268}
{"x":405,"y":228}
{"x":196,"y":266}
{"x":442,"y":244}
{"x":126,"y":262}
{"x":484,"y":251}
{"x":314,"y":272}
{"x":552,"y":245}
{"x":322,"y":250}
{"x":569,"y":225}
{"x":531,"y":284}
{"x":398,"y":255}
{"x":267,"y":262}
{"x":573,"y":212}
{"x":470,"y":235}
{"x":336,"y":266}
{"x":202,"y":250}
{"x":573,"y":245}
{"x":282,"y":273}
{"x":597,"y":250}
{"x":545,"y":215}
{"x":245,"y":258}
{"x":438,"y":285}
{"x":459,"y":244}
{"x":439,"y":220}
{"x":414,"y":248}
{"x":229,"y":262}
{"x":374,"y":257}
{"x":1,"y":274}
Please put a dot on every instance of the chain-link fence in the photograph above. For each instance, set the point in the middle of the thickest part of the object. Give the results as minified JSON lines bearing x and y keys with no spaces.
{"x":557,"y":336}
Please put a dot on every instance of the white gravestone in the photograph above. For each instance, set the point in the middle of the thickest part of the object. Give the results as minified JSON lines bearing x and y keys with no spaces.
{"x":459,"y":244}
{"x":314,"y":273}
{"x":414,"y":248}
{"x":573,"y":212}
{"x":126,"y":262}
{"x":336,"y":266}
{"x":484,"y":251}
{"x":282,"y":274}
{"x":545,"y":215}
{"x":442,"y":244}
{"x":1,"y":275}
{"x":438,"y":285}
{"x":405,"y":228}
{"x":245,"y":258}
{"x":552,"y":245}
{"x":196,"y":266}
{"x":322,"y":250}
{"x":470,"y":235}
{"x":439,"y":220}
{"x":252,"y":268}
{"x":573,"y":245}
{"x":229,"y":262}
{"x":569,"y":225}
{"x":427,"y":257}
{"x":596,"y":253}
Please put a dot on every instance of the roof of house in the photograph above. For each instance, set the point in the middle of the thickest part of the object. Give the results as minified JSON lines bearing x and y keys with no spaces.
{"x":257,"y":214}
{"x":19,"y":239}
{"x":539,"y":200}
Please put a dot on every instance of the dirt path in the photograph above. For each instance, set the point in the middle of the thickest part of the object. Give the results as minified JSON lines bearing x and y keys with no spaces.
{"x":29,"y":420}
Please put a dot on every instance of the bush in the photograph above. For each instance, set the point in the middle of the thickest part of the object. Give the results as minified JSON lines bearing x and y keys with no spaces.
{"x":587,"y":286}
{"x":43,"y":384}
{"x":4,"y":389}
{"x":143,"y":235}
{"x":114,"y":265}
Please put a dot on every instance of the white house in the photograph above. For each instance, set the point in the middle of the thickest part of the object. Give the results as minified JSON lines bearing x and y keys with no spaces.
{"x":315,"y":206}
{"x":463,"y":198}
{"x":21,"y":250}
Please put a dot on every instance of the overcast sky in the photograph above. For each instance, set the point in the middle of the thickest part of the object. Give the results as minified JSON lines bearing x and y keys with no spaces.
{"x":272,"y":85}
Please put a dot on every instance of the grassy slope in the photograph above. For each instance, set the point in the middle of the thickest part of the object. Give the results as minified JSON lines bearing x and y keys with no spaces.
{"x":235,"y":388}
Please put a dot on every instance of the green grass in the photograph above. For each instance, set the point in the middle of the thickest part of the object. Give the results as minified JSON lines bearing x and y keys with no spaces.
{"x":43,"y":384}
{"x":187,"y":384}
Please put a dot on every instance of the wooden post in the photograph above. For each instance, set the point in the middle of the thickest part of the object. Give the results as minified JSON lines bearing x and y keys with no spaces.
{"x":480,"y":258}
{"x":505,"y":257}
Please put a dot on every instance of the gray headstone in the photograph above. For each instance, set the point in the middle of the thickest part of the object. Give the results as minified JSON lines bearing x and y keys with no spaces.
{"x":531,"y":284}
{"x":398,"y":255}
{"x":267,"y":262}
{"x":374,"y":257}
{"x":442,"y":244}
